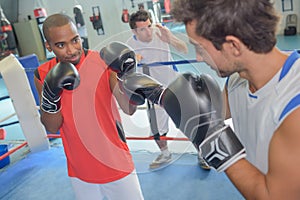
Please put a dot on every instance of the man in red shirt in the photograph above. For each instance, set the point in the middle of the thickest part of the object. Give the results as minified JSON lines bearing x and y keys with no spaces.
{"x":79,"y":96}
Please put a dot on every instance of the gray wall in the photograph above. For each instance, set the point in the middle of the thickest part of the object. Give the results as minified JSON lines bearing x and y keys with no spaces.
{"x":10,"y":9}
{"x":111,"y":12}
{"x":296,"y":10}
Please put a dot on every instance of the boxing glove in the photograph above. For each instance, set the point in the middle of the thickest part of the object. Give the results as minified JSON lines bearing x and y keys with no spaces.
{"x":194,"y":103}
{"x":62,"y":76}
{"x":119,"y":57}
{"x":139,"y":87}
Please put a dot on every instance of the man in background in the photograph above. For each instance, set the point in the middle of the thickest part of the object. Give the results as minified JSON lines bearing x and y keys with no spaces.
{"x":151,"y":43}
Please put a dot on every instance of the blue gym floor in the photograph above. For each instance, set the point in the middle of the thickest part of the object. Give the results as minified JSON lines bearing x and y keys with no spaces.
{"x":43,"y":175}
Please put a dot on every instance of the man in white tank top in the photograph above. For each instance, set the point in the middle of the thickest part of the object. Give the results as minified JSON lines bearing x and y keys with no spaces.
{"x":151,"y":44}
{"x":237,"y":39}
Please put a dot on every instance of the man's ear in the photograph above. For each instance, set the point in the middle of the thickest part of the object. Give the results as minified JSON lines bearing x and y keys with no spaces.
{"x":48,"y":46}
{"x":233,"y":44}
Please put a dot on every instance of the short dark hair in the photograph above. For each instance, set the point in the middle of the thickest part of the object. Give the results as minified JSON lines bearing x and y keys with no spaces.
{"x":55,"y":20}
{"x":254,"y":22}
{"x":139,"y":16}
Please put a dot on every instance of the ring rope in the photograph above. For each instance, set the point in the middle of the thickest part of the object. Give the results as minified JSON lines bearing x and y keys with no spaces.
{"x":7,"y":117}
{"x":179,"y":62}
{"x":12,"y":150}
{"x":4,"y":97}
{"x":8,"y":124}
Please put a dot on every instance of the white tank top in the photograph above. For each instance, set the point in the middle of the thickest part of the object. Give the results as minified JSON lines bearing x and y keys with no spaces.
{"x":154,"y":51}
{"x":257,"y":115}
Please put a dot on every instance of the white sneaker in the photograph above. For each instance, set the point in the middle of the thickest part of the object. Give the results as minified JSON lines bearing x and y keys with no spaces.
{"x":160,"y":160}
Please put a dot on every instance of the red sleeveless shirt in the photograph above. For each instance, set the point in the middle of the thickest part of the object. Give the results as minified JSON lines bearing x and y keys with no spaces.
{"x":95,"y":152}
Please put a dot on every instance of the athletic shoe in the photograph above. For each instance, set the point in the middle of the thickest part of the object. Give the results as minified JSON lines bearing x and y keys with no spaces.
{"x":160,"y":160}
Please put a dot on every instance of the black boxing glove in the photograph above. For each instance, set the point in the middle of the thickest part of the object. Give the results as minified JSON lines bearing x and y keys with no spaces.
{"x":62,"y":76}
{"x":194,"y":103}
{"x":139,"y":87}
{"x":119,"y":57}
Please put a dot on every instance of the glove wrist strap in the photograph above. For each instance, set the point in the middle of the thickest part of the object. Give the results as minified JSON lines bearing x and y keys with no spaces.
{"x":221,"y":149}
{"x":50,"y":106}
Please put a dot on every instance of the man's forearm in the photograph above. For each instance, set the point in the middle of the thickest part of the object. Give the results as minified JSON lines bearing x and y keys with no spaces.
{"x":52,"y":122}
{"x":248,"y":180}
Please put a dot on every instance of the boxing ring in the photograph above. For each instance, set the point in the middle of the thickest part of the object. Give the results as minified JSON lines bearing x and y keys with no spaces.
{"x":37,"y":175}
